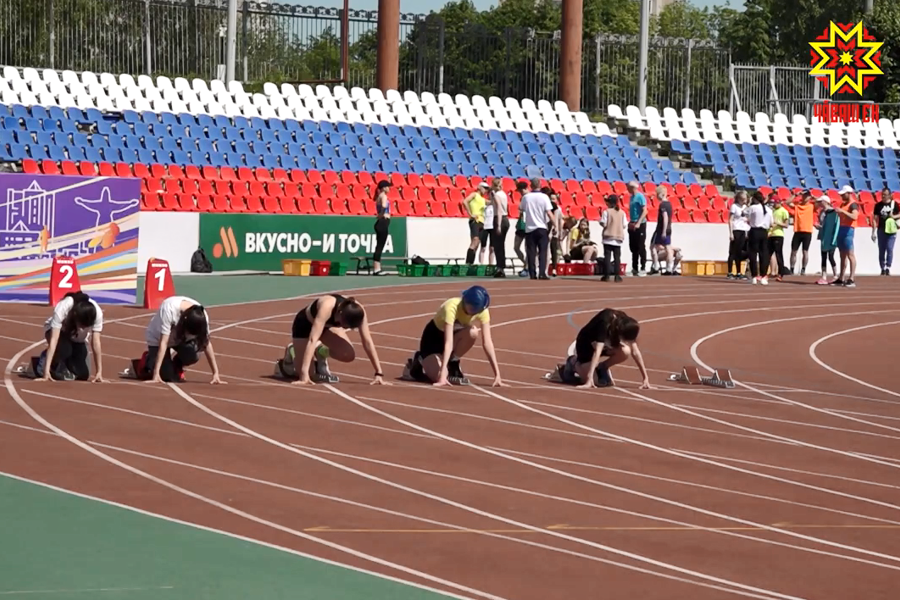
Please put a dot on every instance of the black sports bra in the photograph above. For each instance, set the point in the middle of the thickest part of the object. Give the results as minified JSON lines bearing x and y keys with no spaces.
{"x":314,"y":309}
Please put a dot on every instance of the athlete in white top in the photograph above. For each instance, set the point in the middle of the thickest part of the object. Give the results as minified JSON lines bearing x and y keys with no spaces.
{"x":738,"y":226}
{"x":75,"y":318}
{"x":181,"y":326}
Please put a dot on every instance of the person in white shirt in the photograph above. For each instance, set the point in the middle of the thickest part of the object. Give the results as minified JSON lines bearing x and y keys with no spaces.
{"x":499,"y":203}
{"x":75,"y":318}
{"x":538,"y":212}
{"x":760,"y":220}
{"x":738,"y":226}
{"x":176,"y":335}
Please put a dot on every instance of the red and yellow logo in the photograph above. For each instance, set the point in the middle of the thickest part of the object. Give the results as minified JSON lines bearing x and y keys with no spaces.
{"x":846,"y":58}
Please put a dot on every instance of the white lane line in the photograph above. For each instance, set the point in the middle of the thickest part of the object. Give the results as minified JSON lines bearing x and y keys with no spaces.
{"x":88,"y":590}
{"x":466,"y":508}
{"x":90,"y":449}
{"x":815,"y":345}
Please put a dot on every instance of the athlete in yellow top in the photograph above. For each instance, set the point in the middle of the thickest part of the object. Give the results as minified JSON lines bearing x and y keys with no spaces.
{"x":476,"y":204}
{"x":449,"y":335}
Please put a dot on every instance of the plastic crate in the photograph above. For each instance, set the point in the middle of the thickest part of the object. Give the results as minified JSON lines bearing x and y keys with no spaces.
{"x":433,"y":271}
{"x":337,"y":269}
{"x":447,"y":270}
{"x":296,"y":267}
{"x":320,"y":268}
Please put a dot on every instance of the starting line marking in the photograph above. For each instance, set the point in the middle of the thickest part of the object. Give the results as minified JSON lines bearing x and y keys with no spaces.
{"x":564,"y":527}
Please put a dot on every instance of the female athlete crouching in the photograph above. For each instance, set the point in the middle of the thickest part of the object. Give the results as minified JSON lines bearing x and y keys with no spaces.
{"x":320,"y":331}
{"x":176,"y":335}
{"x":449,"y":335}
{"x":610,"y":334}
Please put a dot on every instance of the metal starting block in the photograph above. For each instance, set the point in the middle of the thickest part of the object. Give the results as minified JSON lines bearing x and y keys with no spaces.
{"x":691,"y":375}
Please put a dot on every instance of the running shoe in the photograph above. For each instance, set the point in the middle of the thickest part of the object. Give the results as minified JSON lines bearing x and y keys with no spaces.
{"x":822,"y":281}
{"x":850,"y":283}
{"x":764,"y":281}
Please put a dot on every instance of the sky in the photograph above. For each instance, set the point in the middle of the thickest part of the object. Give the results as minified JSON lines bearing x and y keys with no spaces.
{"x":426,"y":6}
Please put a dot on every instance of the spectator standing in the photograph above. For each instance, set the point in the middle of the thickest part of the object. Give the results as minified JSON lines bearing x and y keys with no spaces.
{"x":760,"y":219}
{"x":614,"y":222}
{"x":827,"y":225}
{"x":382,"y":224}
{"x":781,"y":220}
{"x":738,"y":227}
{"x":475,"y":205}
{"x":662,"y":237}
{"x":848,"y":213}
{"x":554,"y":228}
{"x":522,"y":189}
{"x":804,"y":220}
{"x":500,"y":226}
{"x":637,"y":229}
{"x":887,"y":215}
{"x":538,"y":212}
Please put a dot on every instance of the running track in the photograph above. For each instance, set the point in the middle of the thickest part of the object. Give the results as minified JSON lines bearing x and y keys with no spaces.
{"x":786,"y":487}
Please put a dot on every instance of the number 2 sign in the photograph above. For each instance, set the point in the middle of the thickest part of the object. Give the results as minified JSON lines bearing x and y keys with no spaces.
{"x":63,"y":278}
{"x":158,"y":284}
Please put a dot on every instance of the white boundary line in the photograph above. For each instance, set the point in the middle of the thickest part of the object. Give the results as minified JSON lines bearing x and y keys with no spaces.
{"x":821,"y":363}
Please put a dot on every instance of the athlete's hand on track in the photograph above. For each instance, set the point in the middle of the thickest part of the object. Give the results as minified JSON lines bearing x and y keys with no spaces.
{"x":44,"y":378}
{"x":645,"y":385}
{"x":499,"y":383}
{"x":155,"y":379}
{"x":588,"y":384}
{"x":306,"y":381}
{"x":379,"y":381}
{"x":98,"y":378}
{"x":216,"y":380}
{"x":441,"y":382}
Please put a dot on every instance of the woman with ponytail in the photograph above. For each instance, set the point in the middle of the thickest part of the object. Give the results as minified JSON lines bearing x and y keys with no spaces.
{"x":608,"y":339}
{"x":760,"y":219}
{"x":320,"y":331}
{"x":176,"y":335}
{"x":75,"y":318}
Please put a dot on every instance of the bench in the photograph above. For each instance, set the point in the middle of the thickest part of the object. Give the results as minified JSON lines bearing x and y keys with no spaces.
{"x":364,"y":263}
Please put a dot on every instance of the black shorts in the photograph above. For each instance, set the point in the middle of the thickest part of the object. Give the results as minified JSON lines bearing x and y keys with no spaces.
{"x":432,"y":341}
{"x":302,"y":326}
{"x":801,"y":238}
{"x":475,"y":229}
{"x":585,"y":352}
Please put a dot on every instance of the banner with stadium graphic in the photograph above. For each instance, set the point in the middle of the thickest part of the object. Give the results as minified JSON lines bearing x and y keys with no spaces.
{"x":93,"y":220}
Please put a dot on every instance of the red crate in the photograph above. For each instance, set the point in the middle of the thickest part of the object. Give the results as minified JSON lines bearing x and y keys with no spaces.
{"x":320,"y":268}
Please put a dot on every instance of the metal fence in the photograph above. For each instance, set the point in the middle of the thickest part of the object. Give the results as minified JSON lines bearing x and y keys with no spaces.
{"x":288,"y":43}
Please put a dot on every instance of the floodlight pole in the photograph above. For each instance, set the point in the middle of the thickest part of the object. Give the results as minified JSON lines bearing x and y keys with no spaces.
{"x":231,"y":41}
{"x":870,"y":6}
{"x":644,"y":50}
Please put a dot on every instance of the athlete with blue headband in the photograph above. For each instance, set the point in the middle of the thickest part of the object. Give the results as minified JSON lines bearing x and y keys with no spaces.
{"x":449,"y":335}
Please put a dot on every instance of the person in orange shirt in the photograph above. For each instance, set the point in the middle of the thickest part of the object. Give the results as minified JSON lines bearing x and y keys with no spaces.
{"x":848,"y":211}
{"x":804,"y":223}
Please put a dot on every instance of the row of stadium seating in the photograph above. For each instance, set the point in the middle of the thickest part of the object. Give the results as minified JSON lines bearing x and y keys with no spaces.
{"x":330,"y":155}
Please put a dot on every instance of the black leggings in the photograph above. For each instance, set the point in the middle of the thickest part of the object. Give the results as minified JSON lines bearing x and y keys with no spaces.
{"x":776,"y":249}
{"x":186,"y":354}
{"x":736,"y":251}
{"x":759,"y":252}
{"x":498,"y":241}
{"x":382,"y":227}
{"x":616,"y":253}
{"x":637,"y":243}
{"x":72,"y":356}
{"x":828,"y":256}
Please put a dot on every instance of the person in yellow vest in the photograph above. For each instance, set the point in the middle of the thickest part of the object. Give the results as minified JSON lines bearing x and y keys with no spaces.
{"x":781,"y":220}
{"x":475,"y":205}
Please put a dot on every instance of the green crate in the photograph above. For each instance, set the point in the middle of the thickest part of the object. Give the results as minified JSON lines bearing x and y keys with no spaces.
{"x":417,"y":270}
{"x":337,"y":268}
{"x":404,"y":270}
{"x":432,"y":271}
{"x":489,"y":270}
{"x":447,"y":270}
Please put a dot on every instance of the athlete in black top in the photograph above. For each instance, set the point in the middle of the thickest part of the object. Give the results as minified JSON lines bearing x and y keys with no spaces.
{"x":611,"y":334}
{"x":320,"y":331}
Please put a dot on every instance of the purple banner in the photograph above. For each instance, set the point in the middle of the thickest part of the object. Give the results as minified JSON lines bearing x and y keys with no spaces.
{"x":94,"y":220}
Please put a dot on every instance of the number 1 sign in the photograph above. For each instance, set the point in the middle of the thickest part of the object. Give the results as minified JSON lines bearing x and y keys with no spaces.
{"x":63,"y":278}
{"x":158,"y":284}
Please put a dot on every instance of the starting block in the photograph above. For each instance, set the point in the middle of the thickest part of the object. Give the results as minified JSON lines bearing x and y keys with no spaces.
{"x":691,"y":375}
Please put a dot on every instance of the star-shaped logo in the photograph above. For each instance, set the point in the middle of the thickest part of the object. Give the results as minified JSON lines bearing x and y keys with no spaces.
{"x":845,"y":58}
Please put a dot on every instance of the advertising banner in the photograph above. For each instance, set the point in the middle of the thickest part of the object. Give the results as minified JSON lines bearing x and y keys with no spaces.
{"x":93,"y":220}
{"x":239,"y":242}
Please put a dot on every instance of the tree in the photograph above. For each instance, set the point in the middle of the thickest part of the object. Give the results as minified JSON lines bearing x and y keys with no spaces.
{"x":884,"y":24}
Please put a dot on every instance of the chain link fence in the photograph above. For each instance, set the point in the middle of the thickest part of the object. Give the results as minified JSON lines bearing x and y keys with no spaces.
{"x":289,"y":43}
